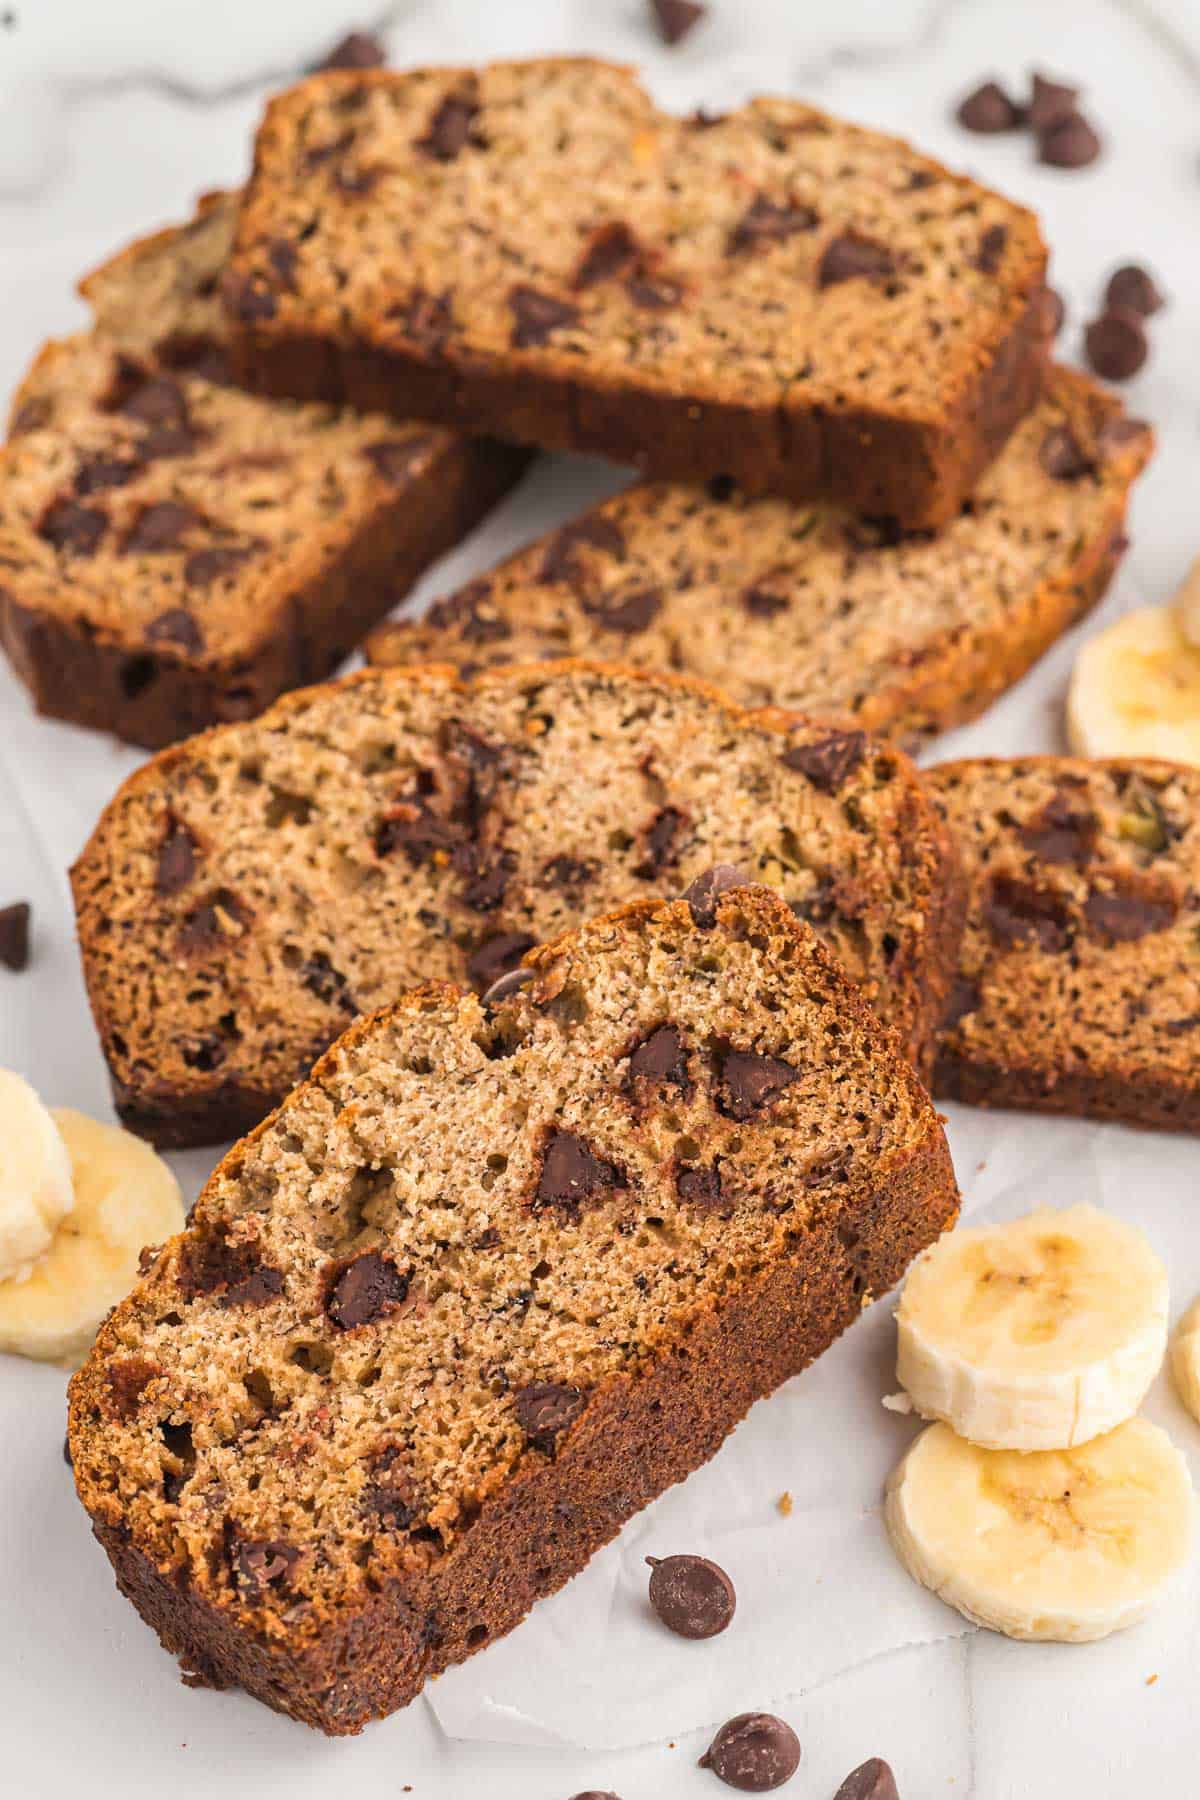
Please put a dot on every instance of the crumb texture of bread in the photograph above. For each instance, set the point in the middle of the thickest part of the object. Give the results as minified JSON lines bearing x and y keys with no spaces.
{"x":245,"y":895}
{"x":905,"y":634}
{"x":772,"y":295}
{"x":176,"y":552}
{"x":485,"y":1284}
{"x":1079,"y":981}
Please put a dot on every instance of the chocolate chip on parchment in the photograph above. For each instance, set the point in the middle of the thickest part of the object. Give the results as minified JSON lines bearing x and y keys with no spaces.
{"x":176,"y":858}
{"x":537,"y":316}
{"x":828,"y":761}
{"x":1061,"y":832}
{"x":175,"y":626}
{"x":660,"y":1058}
{"x":366,"y":1290}
{"x":871,"y":1780}
{"x":851,"y":256}
{"x":572,"y":1173}
{"x":703,"y":893}
{"x":1062,"y":456}
{"x":14,"y":935}
{"x":675,"y":18}
{"x":693,"y":1597}
{"x":452,"y":127}
{"x":767,"y":222}
{"x":160,"y":526}
{"x":357,"y":50}
{"x":1070,"y":143}
{"x":496,"y":956}
{"x":76,"y":529}
{"x":751,"y":1081}
{"x":755,"y":1753}
{"x":990,"y":253}
{"x":1116,"y":344}
{"x":1050,"y":102}
{"x":1134,"y":289}
{"x":544,"y":1409}
{"x":989,"y":109}
{"x":1122,"y":918}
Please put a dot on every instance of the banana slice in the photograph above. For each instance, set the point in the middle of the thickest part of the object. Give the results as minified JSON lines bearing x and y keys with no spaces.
{"x":1185,"y":1359}
{"x":35,"y":1178}
{"x":1135,"y":690}
{"x":1034,"y":1335}
{"x":1067,"y":1545}
{"x":125,"y":1197}
{"x":1187,"y":605}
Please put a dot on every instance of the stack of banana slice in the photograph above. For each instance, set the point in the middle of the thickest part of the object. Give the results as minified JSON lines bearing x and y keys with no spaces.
{"x":1038,"y":1504}
{"x":1135,"y":688}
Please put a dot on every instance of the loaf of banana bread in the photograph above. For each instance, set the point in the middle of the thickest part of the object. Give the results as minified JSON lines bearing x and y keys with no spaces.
{"x":534,"y":249}
{"x":487,"y":1283}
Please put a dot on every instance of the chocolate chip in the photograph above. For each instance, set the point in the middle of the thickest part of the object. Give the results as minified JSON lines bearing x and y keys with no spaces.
{"x":261,"y":1563}
{"x":562,"y":561}
{"x":496,"y":956}
{"x":366,"y":1290}
{"x":828,"y":761}
{"x":1048,"y":312}
{"x":1062,"y":456}
{"x":1019,"y":914}
{"x":412,"y":826}
{"x":320,"y":977}
{"x":660,"y":842}
{"x":1116,"y":344}
{"x":213,"y":924}
{"x":176,"y":858}
{"x":1050,"y":102}
{"x":175,"y":626}
{"x":699,"y":1186}
{"x":760,"y":603}
{"x":424,"y":318}
{"x":167,"y":440}
{"x":247,"y":296}
{"x":988,"y":108}
{"x":610,"y":249}
{"x":160,"y":526}
{"x":128,"y":1380}
{"x":675,"y":18}
{"x":703,"y":893}
{"x":397,"y":458}
{"x":636,"y":612}
{"x":660,"y":1058}
{"x":73,"y":528}
{"x":572,"y":1173}
{"x":568,"y":872}
{"x":358,"y":50}
{"x":210,"y":1264}
{"x":852,"y":256}
{"x":965,"y":998}
{"x":693,"y":1597}
{"x":464,"y":613}
{"x":1134,"y":289}
{"x":96,"y":473}
{"x":391,"y":1497}
{"x":156,"y":400}
{"x":990,"y":253}
{"x":871,"y":1780}
{"x":1070,"y":143}
{"x":487,"y":877}
{"x":452,"y":128}
{"x":512,"y":983}
{"x":1122,"y":918}
{"x":14,"y":935}
{"x":31,"y":415}
{"x":197,"y":354}
{"x":1060,"y":833}
{"x":537,"y":316}
{"x":283,"y":257}
{"x":545,"y":1409}
{"x":751,"y":1081}
{"x":767,"y":222}
{"x":203,"y":567}
{"x":596,"y":1794}
{"x":754,"y":1753}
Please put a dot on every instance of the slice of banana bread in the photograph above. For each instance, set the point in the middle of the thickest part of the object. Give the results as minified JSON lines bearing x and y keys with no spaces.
{"x":487,"y":1283}
{"x":534,"y":249}
{"x":808,"y":606}
{"x":1079,"y":984}
{"x":174,"y":552}
{"x":245,"y":894}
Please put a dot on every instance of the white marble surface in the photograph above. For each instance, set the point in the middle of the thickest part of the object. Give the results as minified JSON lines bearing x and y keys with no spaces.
{"x":113,"y":113}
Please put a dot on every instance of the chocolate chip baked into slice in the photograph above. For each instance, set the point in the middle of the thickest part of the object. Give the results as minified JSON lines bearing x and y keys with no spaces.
{"x":246,"y":894}
{"x":487,"y":1283}
{"x":174,"y":552}
{"x":534,"y":249}
{"x":905,"y":634}
{"x":1079,"y":982}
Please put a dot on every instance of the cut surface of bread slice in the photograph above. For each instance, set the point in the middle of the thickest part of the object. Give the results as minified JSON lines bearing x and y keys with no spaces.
{"x":807,"y":606}
{"x":1079,"y":981}
{"x":176,"y":552}
{"x":774,"y":295}
{"x":247,"y":893}
{"x":485,"y":1285}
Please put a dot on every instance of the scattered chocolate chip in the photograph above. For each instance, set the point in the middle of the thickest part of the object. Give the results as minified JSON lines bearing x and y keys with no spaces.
{"x":175,"y":626}
{"x":73,"y":528}
{"x":1050,"y":102}
{"x":1060,"y":833}
{"x":1048,"y":312}
{"x":261,"y":1563}
{"x":572,"y":1173}
{"x":1062,"y":456}
{"x":545,"y":1409}
{"x":851,"y":257}
{"x":96,"y":473}
{"x":693,"y":1597}
{"x":1070,"y":143}
{"x":830,"y":760}
{"x":203,"y":567}
{"x":1122,"y":918}
{"x":1017,"y":913}
{"x":660,"y":840}
{"x":14,"y":935}
{"x":990,"y":253}
{"x":767,"y":222}
{"x":247,"y":296}
{"x":965,"y":997}
{"x":699,"y":1186}
{"x":358,"y":50}
{"x":366,"y":1290}
{"x":398,"y":458}
{"x":988,"y":109}
{"x":750,"y":1082}
{"x":610,"y":249}
{"x":562,"y":561}
{"x":210,"y":1264}
{"x":1116,"y":344}
{"x":464,"y":613}
{"x":176,"y":858}
{"x":570,"y":873}
{"x":496,"y":956}
{"x":1133,"y":289}
{"x":660,"y":1058}
{"x":160,"y":526}
{"x":512,"y":983}
{"x":760,"y":603}
{"x":871,"y":1780}
{"x":635,"y":612}
{"x":703,"y":893}
{"x":675,"y":18}
{"x":537,"y":316}
{"x":452,"y":128}
{"x":754,"y":1753}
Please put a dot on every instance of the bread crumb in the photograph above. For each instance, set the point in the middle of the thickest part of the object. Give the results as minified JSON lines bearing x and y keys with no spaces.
{"x":784,"y":1503}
